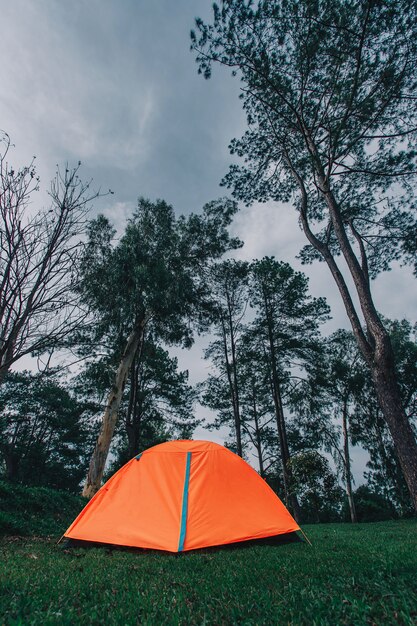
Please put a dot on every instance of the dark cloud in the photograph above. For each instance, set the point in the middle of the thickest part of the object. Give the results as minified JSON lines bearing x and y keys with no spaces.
{"x":115,"y":85}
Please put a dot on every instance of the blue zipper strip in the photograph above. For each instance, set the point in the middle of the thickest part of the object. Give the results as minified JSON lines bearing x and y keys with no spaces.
{"x":184,"y":503}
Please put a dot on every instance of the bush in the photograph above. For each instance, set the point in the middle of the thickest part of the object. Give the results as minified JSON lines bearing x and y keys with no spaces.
{"x":36,"y":510}
{"x":370,"y":506}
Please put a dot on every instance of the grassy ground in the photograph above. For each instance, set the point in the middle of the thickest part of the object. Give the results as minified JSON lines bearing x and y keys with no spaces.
{"x":363,"y":574}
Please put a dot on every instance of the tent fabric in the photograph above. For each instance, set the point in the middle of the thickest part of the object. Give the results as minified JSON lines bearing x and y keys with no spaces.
{"x":183,"y":495}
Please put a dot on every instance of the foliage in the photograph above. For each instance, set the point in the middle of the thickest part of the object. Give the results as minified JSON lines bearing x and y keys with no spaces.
{"x":329,"y":92}
{"x":156,"y":271}
{"x":353,"y":574}
{"x":404,"y":340}
{"x":36,"y":511}
{"x":285,"y":313}
{"x":316,"y":486}
{"x":151,"y":282}
{"x":44,"y":431}
{"x":371,"y":506}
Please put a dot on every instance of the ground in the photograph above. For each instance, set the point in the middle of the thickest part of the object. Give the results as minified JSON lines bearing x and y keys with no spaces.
{"x":352,"y":574}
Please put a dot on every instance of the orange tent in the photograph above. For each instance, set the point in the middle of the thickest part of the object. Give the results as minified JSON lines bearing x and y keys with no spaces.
{"x":183,"y":495}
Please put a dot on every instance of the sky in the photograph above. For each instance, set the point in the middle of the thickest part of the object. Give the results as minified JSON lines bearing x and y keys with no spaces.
{"x":113,"y":84}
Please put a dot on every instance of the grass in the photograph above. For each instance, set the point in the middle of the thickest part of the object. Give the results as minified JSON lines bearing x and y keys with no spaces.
{"x":361,"y":574}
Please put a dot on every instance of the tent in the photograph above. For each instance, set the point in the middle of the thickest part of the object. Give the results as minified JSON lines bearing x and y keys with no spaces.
{"x":183,"y":495}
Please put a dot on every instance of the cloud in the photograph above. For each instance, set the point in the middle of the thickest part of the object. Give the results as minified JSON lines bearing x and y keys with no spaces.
{"x":115,"y":85}
{"x":74,"y":87}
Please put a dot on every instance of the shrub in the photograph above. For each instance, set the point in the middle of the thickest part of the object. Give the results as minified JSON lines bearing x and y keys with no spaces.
{"x":36,"y":510}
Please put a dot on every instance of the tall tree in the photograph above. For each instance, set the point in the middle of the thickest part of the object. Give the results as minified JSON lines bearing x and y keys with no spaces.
{"x":287,"y":318}
{"x":329,"y":88}
{"x":228,"y":281}
{"x":258,"y":414}
{"x":340,"y":381}
{"x":154,"y":278}
{"x":39,"y":259}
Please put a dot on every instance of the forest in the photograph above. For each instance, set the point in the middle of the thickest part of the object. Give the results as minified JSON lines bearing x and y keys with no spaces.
{"x":91,"y":313}
{"x":287,"y":398}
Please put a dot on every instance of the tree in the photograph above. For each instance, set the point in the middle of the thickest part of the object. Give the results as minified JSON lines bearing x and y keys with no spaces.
{"x":228,"y":281}
{"x":368,"y":427}
{"x":257,"y":402}
{"x":324,"y":400}
{"x":158,"y":401}
{"x":44,"y":431}
{"x":153,"y":280}
{"x":287,"y":319}
{"x":39,"y":259}
{"x":256,"y":412}
{"x":372,"y":506}
{"x":316,"y":484}
{"x":340,"y":380}
{"x":159,"y":395}
{"x":329,"y":89}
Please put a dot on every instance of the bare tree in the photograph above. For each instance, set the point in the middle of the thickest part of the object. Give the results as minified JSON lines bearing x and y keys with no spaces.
{"x":39,"y":253}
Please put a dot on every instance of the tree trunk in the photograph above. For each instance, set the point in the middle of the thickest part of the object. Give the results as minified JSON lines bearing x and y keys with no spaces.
{"x":382,"y":362}
{"x":133,"y":431}
{"x":132,"y":419}
{"x":316,"y":507}
{"x":238,"y":426}
{"x":5,"y":365}
{"x":101,"y":450}
{"x":389,"y":399}
{"x":348,"y":472}
{"x":290,"y":497}
{"x":376,"y":349}
{"x":133,"y":438}
{"x":231,"y":368}
{"x":258,"y":434}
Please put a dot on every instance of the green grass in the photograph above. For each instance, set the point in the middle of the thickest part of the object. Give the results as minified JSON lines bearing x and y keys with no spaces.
{"x":362,"y":574}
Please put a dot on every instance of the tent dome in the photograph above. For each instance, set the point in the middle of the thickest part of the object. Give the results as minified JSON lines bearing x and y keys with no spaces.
{"x":183,"y":495}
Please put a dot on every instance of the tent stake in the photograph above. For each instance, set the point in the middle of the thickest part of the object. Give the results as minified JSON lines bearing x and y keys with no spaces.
{"x":305,"y":537}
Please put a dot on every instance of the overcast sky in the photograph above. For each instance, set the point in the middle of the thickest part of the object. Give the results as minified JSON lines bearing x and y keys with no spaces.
{"x":113,"y":83}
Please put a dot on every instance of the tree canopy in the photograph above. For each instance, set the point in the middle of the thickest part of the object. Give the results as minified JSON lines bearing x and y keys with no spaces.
{"x":329,"y":90}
